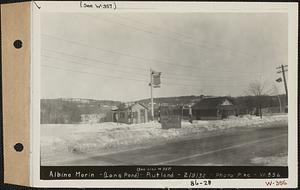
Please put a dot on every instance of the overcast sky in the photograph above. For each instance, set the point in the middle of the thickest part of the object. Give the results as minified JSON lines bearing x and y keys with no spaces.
{"x":109,"y":56}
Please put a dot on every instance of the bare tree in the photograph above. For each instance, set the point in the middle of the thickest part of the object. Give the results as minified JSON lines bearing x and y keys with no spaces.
{"x":257,"y":89}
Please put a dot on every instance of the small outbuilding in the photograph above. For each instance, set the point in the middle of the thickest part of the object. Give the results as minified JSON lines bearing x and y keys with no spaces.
{"x":133,"y":114}
{"x":214,"y":108}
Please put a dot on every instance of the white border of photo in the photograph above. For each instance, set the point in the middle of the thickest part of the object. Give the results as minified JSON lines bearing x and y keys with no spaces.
{"x":237,"y":7}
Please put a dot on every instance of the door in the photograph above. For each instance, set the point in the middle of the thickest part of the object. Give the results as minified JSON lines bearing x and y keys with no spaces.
{"x":135,"y":117}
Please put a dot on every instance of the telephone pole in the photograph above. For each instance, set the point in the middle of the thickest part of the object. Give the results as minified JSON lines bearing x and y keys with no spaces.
{"x":283,"y":69}
{"x":151,"y":89}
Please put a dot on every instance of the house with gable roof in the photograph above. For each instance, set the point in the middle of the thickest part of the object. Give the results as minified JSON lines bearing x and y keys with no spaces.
{"x":130,"y":114}
{"x":214,"y":108}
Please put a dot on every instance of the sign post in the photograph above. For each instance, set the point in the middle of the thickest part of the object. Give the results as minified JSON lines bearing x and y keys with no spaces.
{"x":154,"y":83}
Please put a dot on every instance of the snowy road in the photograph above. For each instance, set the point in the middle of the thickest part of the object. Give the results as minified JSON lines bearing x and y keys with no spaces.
{"x":251,"y":146}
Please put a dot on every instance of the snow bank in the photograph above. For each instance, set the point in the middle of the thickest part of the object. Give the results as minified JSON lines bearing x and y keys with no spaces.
{"x":77,"y":139}
{"x":270,"y":161}
{"x":241,"y":121}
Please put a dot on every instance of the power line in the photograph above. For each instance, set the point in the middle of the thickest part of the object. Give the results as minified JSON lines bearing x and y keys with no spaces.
{"x":200,"y":80}
{"x":130,"y":55}
{"x":131,"y":73}
{"x":222,"y":47}
{"x":166,"y":36}
{"x":95,"y":66}
{"x":92,"y":60}
{"x":105,"y":76}
{"x":181,"y":84}
{"x":95,"y":74}
{"x":121,"y":78}
{"x":111,"y":51}
{"x":185,"y":35}
{"x":120,"y":53}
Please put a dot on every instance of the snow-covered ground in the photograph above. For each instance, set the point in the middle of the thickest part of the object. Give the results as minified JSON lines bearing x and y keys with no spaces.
{"x":280,"y":160}
{"x":71,"y":141}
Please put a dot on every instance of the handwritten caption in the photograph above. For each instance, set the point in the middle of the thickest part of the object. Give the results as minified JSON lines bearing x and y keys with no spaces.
{"x":200,"y":182}
{"x":200,"y":174}
{"x":276,"y":183}
{"x":155,"y":173}
{"x":98,"y":5}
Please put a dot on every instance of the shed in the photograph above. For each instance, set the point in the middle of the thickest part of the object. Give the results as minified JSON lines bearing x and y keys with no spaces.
{"x":133,"y":114}
{"x":214,"y":108}
{"x":170,"y":116}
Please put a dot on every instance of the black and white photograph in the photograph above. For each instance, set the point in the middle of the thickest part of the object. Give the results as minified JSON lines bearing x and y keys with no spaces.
{"x":136,"y":94}
{"x":164,"y":88}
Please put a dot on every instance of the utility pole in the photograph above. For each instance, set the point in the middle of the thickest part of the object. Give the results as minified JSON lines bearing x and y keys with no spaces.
{"x":151,"y":89}
{"x":280,"y":110}
{"x":283,"y":70}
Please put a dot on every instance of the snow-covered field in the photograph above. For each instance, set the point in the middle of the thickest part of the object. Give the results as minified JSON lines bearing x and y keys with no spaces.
{"x":71,"y":141}
{"x":280,"y":160}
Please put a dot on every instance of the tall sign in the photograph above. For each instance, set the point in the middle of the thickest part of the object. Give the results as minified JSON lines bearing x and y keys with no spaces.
{"x":155,"y":82}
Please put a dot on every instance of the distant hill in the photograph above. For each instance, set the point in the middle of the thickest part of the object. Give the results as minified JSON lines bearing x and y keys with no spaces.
{"x":71,"y":110}
{"x":64,"y":110}
{"x":179,"y":100}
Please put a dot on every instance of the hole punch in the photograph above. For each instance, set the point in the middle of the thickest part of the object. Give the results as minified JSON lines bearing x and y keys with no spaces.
{"x":18,"y":44}
{"x":19,"y":147}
